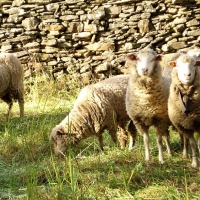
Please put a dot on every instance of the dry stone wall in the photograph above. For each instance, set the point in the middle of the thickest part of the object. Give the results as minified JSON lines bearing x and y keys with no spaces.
{"x":90,"y":38}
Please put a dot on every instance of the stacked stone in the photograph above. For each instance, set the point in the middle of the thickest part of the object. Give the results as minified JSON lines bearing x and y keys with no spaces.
{"x":90,"y":38}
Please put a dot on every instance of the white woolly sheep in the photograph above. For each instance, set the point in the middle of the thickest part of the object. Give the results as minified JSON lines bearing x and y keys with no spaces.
{"x":184,"y":100}
{"x":146,"y":98}
{"x":98,"y":107}
{"x":194,"y":52}
{"x":11,"y":81}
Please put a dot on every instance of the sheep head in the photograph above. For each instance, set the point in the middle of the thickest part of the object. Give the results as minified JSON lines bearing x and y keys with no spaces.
{"x":59,"y":139}
{"x":62,"y":139}
{"x":186,"y":68}
{"x":145,"y":61}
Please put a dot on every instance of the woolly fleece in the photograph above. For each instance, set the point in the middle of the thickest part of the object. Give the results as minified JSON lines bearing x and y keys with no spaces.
{"x":11,"y":81}
{"x":146,"y":98}
{"x":98,"y":107}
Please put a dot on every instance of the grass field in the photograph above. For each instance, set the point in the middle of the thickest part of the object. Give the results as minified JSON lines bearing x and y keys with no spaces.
{"x":29,"y":169}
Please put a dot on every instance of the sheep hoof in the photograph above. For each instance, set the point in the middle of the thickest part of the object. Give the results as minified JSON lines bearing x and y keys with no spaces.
{"x":184,"y":156}
{"x":148,"y":160}
{"x":194,"y":165}
{"x":122,"y":148}
{"x":130,"y":148}
{"x":170,"y":154}
{"x":161,"y":161}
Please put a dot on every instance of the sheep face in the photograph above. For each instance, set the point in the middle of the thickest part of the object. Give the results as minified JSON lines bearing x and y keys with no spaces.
{"x":59,"y":139}
{"x":146,"y":61}
{"x":186,"y":68}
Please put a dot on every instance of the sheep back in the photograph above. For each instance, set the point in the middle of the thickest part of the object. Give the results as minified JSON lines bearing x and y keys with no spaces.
{"x":101,"y":103}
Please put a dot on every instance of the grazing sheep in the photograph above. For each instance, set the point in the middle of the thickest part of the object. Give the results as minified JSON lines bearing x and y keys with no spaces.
{"x":146,"y":98}
{"x":11,"y":81}
{"x":184,"y":100}
{"x":98,"y":107}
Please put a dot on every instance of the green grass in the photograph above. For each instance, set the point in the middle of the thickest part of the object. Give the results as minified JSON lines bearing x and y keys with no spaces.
{"x":29,"y":169}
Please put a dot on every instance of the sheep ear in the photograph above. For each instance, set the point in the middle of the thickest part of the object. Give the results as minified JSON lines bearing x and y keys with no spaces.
{"x":172,"y":64}
{"x":59,"y":132}
{"x":132,"y":56}
{"x":197,"y":63}
{"x":158,"y":58}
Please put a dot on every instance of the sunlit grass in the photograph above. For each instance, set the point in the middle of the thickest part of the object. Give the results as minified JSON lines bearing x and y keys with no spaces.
{"x":30,"y":170}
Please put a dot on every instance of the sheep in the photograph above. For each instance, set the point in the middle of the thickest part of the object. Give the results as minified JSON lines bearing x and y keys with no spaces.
{"x":146,"y":98}
{"x":184,"y":100}
{"x":194,"y":52}
{"x":98,"y":107}
{"x":11,"y":81}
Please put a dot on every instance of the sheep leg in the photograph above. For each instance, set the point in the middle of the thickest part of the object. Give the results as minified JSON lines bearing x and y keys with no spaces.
{"x":100,"y":137}
{"x":122,"y":137}
{"x":193,"y":148}
{"x":159,"y":129}
{"x":185,"y":146}
{"x":113,"y":129}
{"x":8,"y":100}
{"x":131,"y":142}
{"x":146,"y":146}
{"x":184,"y":141}
{"x":167,"y":142}
{"x":142,"y":129}
{"x":132,"y":133}
{"x":198,"y":142}
{"x":160,"y":147}
{"x":21,"y":106}
{"x":10,"y":105}
{"x":113,"y":135}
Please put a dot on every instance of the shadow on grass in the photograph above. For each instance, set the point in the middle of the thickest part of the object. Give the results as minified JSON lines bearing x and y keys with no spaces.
{"x":27,"y":139}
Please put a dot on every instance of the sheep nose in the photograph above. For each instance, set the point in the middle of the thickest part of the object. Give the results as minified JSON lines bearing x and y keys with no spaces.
{"x":144,"y":69}
{"x":187,"y":75}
